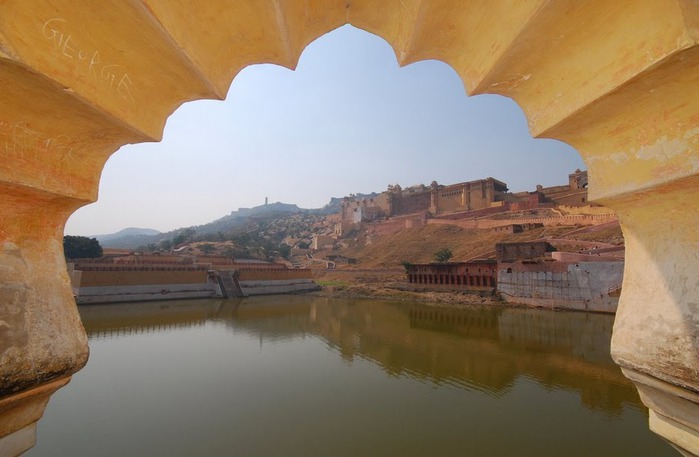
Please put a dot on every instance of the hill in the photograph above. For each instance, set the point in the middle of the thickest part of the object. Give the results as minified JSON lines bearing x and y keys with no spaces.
{"x":131,"y":231}
{"x":243,"y":215}
{"x":418,"y":245}
{"x":242,"y":220}
{"x":128,"y":238}
{"x":378,"y":272}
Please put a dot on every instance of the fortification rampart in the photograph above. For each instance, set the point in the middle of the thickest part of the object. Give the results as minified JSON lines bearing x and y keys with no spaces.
{"x":576,"y":219}
{"x":569,"y":257}
{"x":495,"y":208}
{"x":395,"y":225}
{"x":587,"y":210}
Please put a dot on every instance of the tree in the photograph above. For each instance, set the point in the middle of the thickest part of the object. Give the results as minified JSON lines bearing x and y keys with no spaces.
{"x":81,"y":247}
{"x":165,"y":245}
{"x":207,"y":248}
{"x":230,"y":252}
{"x":183,"y":235}
{"x":285,"y":250}
{"x":407,"y":265}
{"x":443,"y":255}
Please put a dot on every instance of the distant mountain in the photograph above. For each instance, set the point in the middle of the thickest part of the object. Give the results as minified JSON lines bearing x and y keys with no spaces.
{"x":277,"y":207}
{"x":128,"y":238}
{"x":131,"y":231}
{"x":132,"y":238}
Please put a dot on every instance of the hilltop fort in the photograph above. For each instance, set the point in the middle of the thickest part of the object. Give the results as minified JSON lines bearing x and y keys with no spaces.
{"x":470,"y":199}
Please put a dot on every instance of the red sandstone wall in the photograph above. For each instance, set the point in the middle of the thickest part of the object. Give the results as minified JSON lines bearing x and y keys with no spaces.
{"x":257,"y":266}
{"x":389,"y":227}
{"x":464,"y":223}
{"x":498,"y":208}
{"x":409,"y":204}
{"x":571,"y":199}
{"x":395,"y":225}
{"x":140,"y":276}
{"x":451,"y":198}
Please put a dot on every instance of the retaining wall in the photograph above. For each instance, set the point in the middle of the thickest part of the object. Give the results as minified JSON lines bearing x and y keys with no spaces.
{"x":110,"y":283}
{"x":261,"y":275}
{"x":114,"y":294}
{"x":584,"y":286}
{"x":278,"y":286}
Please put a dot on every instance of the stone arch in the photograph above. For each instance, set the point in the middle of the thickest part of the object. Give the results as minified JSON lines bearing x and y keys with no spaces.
{"x":616,"y":80}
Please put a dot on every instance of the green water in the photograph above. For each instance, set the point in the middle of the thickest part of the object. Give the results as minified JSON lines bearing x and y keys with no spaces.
{"x":307,"y":376}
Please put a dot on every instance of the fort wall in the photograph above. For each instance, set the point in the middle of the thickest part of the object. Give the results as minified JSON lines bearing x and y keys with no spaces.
{"x":437,"y":199}
{"x":395,"y":225}
{"x":410,"y":204}
{"x":576,"y":219}
{"x":587,"y":210}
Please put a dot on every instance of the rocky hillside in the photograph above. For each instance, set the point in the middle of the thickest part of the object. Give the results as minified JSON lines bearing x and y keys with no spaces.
{"x":281,"y":231}
{"x":265,"y":218}
{"x":420,"y":244}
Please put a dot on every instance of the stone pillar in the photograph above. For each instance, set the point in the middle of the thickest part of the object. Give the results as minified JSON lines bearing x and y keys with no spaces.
{"x":42,"y":342}
{"x":656,"y":332}
{"x":641,"y":146}
{"x":630,"y":108}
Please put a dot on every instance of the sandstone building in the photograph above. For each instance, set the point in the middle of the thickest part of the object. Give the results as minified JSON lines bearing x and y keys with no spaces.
{"x":464,"y":199}
{"x":574,"y":194}
{"x":434,"y":200}
{"x":477,"y":276}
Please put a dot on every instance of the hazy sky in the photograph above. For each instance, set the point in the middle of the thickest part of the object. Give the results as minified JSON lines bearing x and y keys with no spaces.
{"x":347,"y":120}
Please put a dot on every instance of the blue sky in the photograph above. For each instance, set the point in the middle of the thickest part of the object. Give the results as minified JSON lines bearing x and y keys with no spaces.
{"x":347,"y":120}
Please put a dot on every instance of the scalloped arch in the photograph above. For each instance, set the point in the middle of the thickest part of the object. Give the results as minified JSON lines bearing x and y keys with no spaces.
{"x":616,"y":80}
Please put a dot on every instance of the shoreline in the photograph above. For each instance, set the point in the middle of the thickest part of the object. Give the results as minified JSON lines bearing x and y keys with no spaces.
{"x":431,"y":298}
{"x":445,"y":299}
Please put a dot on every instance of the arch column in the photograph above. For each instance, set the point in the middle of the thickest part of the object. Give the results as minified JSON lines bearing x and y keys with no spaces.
{"x":641,"y":144}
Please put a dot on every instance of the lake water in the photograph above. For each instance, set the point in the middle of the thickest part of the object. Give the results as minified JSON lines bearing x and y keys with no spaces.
{"x":309,"y":376}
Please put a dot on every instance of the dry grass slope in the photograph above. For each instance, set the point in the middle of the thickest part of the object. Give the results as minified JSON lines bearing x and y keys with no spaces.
{"x":420,"y":244}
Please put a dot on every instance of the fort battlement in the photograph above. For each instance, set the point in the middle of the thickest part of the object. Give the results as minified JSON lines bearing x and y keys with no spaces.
{"x":460,"y":204}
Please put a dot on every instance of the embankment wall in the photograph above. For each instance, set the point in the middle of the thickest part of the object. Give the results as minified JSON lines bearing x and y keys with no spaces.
{"x":141,"y":276}
{"x":277,"y":286}
{"x":584,"y":286}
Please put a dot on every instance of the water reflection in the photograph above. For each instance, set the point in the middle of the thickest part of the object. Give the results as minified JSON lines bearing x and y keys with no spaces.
{"x":301,"y":376}
{"x":475,"y":348}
